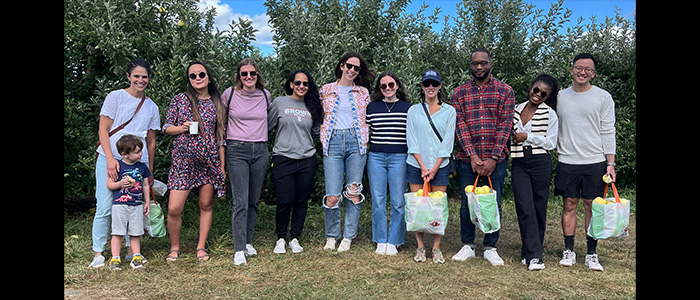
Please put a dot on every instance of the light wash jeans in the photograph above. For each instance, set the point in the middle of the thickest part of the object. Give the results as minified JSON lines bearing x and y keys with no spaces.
{"x":103,"y":210}
{"x":343,"y":160}
{"x":387,"y":168}
{"x":246,"y":164}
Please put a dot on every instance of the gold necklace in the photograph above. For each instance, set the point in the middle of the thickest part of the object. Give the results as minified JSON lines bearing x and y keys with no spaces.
{"x":392,"y":105}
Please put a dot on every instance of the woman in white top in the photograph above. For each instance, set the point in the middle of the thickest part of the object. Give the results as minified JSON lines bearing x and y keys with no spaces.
{"x":118,"y":108}
{"x":535,"y":126}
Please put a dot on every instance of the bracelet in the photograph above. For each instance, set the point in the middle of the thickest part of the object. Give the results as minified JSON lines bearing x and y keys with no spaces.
{"x":610,"y":164}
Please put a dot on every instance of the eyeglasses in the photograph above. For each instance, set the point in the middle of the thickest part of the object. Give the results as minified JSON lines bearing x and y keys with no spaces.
{"x":349,"y":66}
{"x":390,"y":85}
{"x":298,"y":83}
{"x":252,"y":74}
{"x":536,"y":90}
{"x":588,"y":70}
{"x":429,"y":82}
{"x":193,"y":76}
{"x":483,"y":64}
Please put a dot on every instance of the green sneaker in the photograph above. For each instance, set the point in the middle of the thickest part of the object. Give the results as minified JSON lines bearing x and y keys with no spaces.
{"x":115,"y":264}
{"x":137,"y":262}
{"x":420,"y":255}
{"x":437,"y":257}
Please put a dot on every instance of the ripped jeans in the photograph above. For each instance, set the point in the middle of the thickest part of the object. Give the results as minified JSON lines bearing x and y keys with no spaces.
{"x":343,"y":160}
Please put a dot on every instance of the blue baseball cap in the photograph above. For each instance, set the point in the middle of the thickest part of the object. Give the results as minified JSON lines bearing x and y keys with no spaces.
{"x":431,"y":74}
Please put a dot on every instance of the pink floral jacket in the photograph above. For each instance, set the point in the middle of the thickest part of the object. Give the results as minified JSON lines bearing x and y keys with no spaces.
{"x":359,"y":99}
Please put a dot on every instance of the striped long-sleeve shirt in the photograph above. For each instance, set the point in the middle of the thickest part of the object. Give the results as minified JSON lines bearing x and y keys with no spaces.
{"x":484,"y":118}
{"x":387,"y":124}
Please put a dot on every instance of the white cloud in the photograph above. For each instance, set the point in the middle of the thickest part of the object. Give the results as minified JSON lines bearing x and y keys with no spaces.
{"x":224,"y":16}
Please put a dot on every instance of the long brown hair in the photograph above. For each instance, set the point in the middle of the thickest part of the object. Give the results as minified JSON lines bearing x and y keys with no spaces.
{"x":260,"y":81}
{"x":191,"y":94}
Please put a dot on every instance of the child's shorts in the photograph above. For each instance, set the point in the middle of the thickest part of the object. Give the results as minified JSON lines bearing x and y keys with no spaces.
{"x":127,"y":219}
{"x":442,"y":177}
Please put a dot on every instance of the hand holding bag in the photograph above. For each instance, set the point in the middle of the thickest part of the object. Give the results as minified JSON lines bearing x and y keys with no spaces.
{"x":426,"y":213}
{"x":609,"y":220}
{"x":483,"y":209}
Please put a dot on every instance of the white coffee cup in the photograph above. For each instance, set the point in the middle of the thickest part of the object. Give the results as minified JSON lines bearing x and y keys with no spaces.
{"x":194,"y":127}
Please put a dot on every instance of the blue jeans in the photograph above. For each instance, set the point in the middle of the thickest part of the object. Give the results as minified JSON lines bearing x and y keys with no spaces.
{"x":387,"y":168}
{"x":246,"y":164}
{"x":103,"y":209}
{"x":343,"y":160}
{"x":467,"y":177}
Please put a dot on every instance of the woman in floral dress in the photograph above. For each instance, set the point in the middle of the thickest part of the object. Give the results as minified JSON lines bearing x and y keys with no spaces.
{"x":197,"y":158}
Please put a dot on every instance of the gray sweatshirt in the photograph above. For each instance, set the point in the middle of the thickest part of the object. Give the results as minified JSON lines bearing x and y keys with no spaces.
{"x":586,"y":126}
{"x":294,"y":133}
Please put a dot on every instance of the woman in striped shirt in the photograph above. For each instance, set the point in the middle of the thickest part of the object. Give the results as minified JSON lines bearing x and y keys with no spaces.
{"x":386,"y":116}
{"x":535,"y":126}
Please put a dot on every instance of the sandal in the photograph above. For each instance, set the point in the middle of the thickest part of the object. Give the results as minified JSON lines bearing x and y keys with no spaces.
{"x":170,"y":257}
{"x":202,"y":257}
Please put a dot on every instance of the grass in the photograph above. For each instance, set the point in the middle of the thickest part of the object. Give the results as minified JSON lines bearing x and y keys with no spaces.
{"x":356,"y":274}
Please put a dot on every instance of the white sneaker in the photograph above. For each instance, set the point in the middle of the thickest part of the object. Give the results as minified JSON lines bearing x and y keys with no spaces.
{"x":239,"y":258}
{"x":280,"y":246}
{"x":294,"y":244}
{"x":391,"y":250}
{"x":330,"y":244}
{"x":535,"y":264}
{"x":381,"y":248}
{"x":592,"y":262}
{"x":97,"y":261}
{"x":465,"y":253}
{"x":344,"y":245}
{"x":569,"y":258}
{"x":492,"y":256}
{"x":250,"y":251}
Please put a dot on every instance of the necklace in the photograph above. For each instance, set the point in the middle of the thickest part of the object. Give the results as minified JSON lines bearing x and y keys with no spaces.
{"x":392,"y":105}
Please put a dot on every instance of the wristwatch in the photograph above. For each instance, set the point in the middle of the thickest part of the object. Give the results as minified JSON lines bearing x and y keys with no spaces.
{"x":610,"y":164}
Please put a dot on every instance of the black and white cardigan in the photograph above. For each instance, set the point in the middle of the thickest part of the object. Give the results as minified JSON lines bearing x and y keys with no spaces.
{"x":540,"y":123}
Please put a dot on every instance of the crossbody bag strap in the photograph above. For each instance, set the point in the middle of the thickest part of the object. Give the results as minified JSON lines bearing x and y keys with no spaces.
{"x":111,"y":133}
{"x":431,"y":122}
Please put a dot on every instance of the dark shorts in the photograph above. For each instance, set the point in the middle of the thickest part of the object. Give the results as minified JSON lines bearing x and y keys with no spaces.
{"x":580,"y":181}
{"x":442,"y":177}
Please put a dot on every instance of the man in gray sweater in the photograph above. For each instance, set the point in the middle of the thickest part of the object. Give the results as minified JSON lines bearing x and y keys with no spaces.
{"x":586,"y":152}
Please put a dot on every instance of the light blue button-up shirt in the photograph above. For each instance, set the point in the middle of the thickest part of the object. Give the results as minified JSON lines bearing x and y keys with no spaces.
{"x":421,"y":138}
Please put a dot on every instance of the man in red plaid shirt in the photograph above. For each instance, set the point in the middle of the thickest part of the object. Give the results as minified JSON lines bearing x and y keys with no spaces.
{"x":484,"y":108}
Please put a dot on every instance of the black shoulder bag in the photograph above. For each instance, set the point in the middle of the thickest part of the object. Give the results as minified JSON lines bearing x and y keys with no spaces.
{"x":453,"y":159}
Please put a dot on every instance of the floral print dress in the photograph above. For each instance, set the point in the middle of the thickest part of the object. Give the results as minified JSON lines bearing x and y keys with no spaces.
{"x":195,"y":158}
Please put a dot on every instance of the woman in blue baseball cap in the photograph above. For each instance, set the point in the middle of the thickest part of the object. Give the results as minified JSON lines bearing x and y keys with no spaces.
{"x":430,"y":128}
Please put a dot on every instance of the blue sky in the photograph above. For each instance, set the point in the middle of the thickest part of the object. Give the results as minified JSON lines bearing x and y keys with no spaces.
{"x":255,"y":10}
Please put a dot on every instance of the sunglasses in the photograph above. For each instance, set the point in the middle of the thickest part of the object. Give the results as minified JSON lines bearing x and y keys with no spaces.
{"x":536,"y":90}
{"x":428,"y":83}
{"x":193,"y":76}
{"x":252,"y":74}
{"x":349,"y":66}
{"x":298,"y":83}
{"x":390,"y":85}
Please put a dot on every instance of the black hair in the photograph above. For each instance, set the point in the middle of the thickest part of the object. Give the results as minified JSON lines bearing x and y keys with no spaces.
{"x":312,"y":100}
{"x":586,"y":55}
{"x":554,"y":89}
{"x":138,"y":62}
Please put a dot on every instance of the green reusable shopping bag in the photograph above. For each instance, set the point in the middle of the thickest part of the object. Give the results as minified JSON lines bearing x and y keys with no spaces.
{"x":609,"y":220}
{"x":483,"y":209}
{"x":425,"y":213}
{"x":154,"y":222}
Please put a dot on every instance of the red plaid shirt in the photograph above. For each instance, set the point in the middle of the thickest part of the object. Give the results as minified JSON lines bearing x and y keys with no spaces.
{"x":484,"y":118}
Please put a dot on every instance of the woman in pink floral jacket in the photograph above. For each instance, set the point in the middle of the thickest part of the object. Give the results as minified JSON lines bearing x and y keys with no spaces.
{"x":344,"y":136}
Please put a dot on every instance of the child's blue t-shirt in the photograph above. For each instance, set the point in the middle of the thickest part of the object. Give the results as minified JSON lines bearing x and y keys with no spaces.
{"x":134,"y":195}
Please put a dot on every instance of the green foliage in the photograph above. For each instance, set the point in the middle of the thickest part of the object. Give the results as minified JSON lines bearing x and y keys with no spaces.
{"x":101,"y":37}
